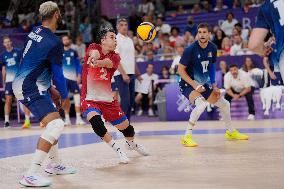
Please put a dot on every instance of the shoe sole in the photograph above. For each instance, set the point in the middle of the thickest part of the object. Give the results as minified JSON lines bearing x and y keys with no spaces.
{"x":231,"y":139}
{"x":26,"y":185}
{"x":60,"y":174}
{"x":186,"y":145}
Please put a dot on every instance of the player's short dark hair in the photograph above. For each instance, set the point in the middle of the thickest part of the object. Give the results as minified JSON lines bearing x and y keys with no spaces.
{"x":233,"y":66}
{"x":203,"y":25}
{"x":102,"y":33}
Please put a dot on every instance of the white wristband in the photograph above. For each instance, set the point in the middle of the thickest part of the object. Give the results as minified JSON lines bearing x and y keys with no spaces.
{"x":198,"y":87}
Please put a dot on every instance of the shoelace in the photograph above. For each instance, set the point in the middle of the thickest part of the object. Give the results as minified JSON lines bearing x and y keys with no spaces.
{"x":61,"y":168}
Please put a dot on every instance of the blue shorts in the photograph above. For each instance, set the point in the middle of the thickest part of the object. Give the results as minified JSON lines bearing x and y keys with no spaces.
{"x":72,"y":86}
{"x":114,"y":86}
{"x":39,"y":105}
{"x":278,"y":80}
{"x":8,"y":88}
{"x":186,"y":90}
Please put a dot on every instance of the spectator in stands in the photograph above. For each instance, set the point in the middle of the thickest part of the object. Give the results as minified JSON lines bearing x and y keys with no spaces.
{"x":218,"y":38}
{"x":220,"y":74}
{"x":145,"y":7}
{"x":245,"y":50}
{"x":163,"y":27}
{"x":236,"y":4}
{"x":164,"y":78}
{"x":228,"y":25}
{"x":246,"y":6}
{"x":179,"y":52}
{"x":226,"y":46}
{"x":79,"y":47}
{"x":243,"y":32}
{"x":167,"y":53}
{"x":237,"y":46}
{"x":196,"y":9}
{"x":255,"y":74}
{"x":146,"y":89}
{"x":273,"y":73}
{"x":158,"y":40}
{"x":85,"y":29}
{"x":191,"y":26}
{"x":238,"y":84}
{"x":235,"y":31}
{"x":220,"y":6}
{"x":69,"y":13}
{"x":25,"y":27}
{"x":159,"y":7}
{"x":150,"y":56}
{"x":180,"y":10}
{"x":188,"y":39}
{"x":175,"y":38}
{"x":206,"y":6}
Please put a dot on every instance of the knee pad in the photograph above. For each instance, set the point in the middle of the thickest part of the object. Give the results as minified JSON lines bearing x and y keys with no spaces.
{"x":98,"y":126}
{"x":128,"y":132}
{"x":200,"y":104}
{"x":76,"y":98}
{"x":53,"y":130}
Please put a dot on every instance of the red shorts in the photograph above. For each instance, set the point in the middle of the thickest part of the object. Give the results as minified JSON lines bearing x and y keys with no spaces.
{"x":111,"y":111}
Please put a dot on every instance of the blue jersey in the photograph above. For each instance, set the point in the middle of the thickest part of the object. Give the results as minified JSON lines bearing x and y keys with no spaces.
{"x":11,"y":61}
{"x":71,"y":64}
{"x":200,"y":63}
{"x":271,"y":17}
{"x":41,"y":62}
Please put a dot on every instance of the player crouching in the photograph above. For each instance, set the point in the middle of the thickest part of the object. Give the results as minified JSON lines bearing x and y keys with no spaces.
{"x":96,"y":95}
{"x":197,"y":70}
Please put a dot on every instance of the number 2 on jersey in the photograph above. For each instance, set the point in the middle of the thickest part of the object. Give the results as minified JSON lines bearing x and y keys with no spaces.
{"x":279,"y":5}
{"x":205,"y":65}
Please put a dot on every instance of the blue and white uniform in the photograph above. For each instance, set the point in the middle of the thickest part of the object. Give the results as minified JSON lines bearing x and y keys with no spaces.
{"x":200,"y":66}
{"x":11,"y":61}
{"x":71,"y":69}
{"x":41,"y":63}
{"x":271,"y":17}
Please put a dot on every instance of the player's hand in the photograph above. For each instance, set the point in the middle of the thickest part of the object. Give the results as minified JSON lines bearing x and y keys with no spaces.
{"x":126,"y":78}
{"x":79,"y":79}
{"x":272,"y":76}
{"x":55,"y":96}
{"x":268,"y":46}
{"x":94,"y":54}
{"x":139,"y":78}
{"x":200,"y":88}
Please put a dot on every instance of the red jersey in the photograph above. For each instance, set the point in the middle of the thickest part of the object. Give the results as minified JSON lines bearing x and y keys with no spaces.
{"x":96,"y":81}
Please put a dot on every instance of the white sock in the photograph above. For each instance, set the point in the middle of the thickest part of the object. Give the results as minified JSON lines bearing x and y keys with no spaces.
{"x":6,"y":118}
{"x":27,"y":117}
{"x":189,"y":128}
{"x":225,"y":110}
{"x":67,"y":117}
{"x":114,"y":146}
{"x":78,"y":115}
{"x":53,"y":154}
{"x":39,"y":157}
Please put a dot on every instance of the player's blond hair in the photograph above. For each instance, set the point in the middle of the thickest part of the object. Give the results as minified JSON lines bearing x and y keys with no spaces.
{"x":47,"y":10}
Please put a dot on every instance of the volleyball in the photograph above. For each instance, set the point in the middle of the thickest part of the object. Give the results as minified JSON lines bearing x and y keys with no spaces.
{"x":146,"y":31}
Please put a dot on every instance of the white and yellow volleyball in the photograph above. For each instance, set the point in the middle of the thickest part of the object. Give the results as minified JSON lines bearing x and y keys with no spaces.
{"x":146,"y":31}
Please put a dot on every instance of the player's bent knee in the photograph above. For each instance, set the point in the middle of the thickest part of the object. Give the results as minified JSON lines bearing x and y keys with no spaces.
{"x":98,"y":125}
{"x":123,"y":125}
{"x":128,"y":132}
{"x":53,"y":130}
{"x":76,"y":100}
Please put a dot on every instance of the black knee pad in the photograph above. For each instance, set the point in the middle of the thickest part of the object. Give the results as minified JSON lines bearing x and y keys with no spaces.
{"x":128,"y":132}
{"x":98,"y":125}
